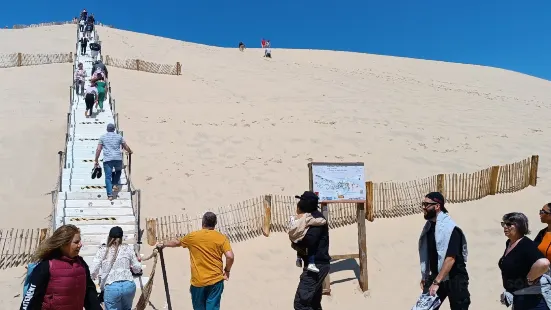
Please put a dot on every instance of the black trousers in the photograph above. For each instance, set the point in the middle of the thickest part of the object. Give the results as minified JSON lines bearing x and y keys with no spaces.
{"x":81,"y":28}
{"x":82,"y":49}
{"x":309,"y":291}
{"x":89,"y":99}
{"x":456,"y":289}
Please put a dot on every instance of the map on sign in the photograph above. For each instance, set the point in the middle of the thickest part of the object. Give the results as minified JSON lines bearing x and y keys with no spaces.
{"x":336,"y":182}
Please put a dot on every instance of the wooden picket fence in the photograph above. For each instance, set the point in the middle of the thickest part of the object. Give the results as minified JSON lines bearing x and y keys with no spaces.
{"x":18,"y":245}
{"x":261,"y":215}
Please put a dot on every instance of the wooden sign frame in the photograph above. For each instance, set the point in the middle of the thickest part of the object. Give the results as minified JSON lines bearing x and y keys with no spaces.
{"x":360,"y":219}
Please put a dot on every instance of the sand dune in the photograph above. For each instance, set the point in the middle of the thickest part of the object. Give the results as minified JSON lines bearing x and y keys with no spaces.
{"x":235,"y":125}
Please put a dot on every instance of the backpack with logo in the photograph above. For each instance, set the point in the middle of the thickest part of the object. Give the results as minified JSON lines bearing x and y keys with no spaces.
{"x":30,"y":268}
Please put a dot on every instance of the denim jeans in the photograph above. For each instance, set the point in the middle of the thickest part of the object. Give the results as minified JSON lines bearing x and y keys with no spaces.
{"x":207,"y":297}
{"x":112,"y":178}
{"x":119,"y":295}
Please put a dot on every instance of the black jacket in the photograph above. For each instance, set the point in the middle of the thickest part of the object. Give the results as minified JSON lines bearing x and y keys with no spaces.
{"x":317,"y":238}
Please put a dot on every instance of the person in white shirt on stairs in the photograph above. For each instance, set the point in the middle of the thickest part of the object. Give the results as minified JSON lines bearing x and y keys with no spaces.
{"x":115,"y":264}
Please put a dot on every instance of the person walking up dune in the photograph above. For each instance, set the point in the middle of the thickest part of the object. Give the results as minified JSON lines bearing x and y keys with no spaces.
{"x":206,"y":248}
{"x":115,"y":263}
{"x":100,"y":85}
{"x":443,"y":255}
{"x":79,"y":78}
{"x":90,"y":98}
{"x":111,"y":144}
{"x":61,"y":279}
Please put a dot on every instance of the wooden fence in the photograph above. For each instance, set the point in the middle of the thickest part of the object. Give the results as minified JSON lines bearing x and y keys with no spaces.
{"x":145,"y":66}
{"x":18,"y":245}
{"x":261,"y":215}
{"x":22,"y":59}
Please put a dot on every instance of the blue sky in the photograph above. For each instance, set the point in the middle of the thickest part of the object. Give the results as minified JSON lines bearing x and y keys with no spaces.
{"x":509,"y":34}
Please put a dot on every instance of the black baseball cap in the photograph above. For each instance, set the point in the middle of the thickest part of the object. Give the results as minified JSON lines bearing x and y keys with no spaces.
{"x":116,"y":232}
{"x":308,"y":195}
{"x":438,"y":197}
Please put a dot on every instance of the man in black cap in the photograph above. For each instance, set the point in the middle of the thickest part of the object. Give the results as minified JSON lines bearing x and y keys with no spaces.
{"x":309,"y":291}
{"x":443,"y":255}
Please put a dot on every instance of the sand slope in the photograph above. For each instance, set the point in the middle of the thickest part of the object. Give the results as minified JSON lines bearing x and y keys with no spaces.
{"x":235,"y":125}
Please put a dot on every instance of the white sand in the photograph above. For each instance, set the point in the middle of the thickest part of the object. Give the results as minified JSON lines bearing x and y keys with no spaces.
{"x":236,"y":125}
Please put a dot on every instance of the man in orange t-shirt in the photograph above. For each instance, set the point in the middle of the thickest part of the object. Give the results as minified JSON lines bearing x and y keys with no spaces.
{"x":206,"y":248}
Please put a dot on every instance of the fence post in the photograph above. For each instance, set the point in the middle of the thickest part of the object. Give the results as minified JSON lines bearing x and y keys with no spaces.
{"x":19,"y":59}
{"x":534,"y":170}
{"x":43,"y":233}
{"x":178,"y":68}
{"x":151,"y":227}
{"x":71,"y":57}
{"x":440,"y":184}
{"x":369,"y":214}
{"x":267,"y":215}
{"x":137,"y":64}
{"x":362,"y":245}
{"x":494,"y":180}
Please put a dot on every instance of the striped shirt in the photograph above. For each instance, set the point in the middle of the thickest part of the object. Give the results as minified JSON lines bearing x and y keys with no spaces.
{"x":111,"y":143}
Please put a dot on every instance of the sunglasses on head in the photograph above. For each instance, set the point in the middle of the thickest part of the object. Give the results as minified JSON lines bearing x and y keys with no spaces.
{"x":544,"y":212}
{"x":508,"y":224}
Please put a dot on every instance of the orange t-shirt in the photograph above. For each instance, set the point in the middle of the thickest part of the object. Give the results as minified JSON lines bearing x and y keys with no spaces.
{"x":545,"y":245}
{"x":206,"y":248}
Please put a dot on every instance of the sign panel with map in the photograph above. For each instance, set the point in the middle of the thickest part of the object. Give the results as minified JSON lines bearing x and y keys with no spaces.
{"x":338,"y":182}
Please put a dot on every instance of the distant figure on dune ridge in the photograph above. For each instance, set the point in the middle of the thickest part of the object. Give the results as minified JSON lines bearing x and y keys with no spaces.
{"x":241,"y":46}
{"x":443,"y":255}
{"x":206,"y":248}
{"x":263,"y":43}
{"x":111,"y":144}
{"x":310,"y":287}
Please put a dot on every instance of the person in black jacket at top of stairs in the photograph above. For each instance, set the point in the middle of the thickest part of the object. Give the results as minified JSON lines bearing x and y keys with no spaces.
{"x":309,"y":292}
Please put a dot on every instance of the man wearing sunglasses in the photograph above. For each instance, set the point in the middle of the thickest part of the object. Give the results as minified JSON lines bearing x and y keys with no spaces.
{"x":443,"y":255}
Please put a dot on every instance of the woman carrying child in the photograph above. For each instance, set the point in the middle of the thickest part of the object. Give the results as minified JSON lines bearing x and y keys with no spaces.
{"x":299,"y":227}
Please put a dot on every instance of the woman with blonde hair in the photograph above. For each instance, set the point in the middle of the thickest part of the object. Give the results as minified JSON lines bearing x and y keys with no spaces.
{"x":61,"y":279}
{"x":116,"y":263}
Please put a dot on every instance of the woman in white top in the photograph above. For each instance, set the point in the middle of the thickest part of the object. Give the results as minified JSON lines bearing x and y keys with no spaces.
{"x":80,"y":76}
{"x":114,"y":264}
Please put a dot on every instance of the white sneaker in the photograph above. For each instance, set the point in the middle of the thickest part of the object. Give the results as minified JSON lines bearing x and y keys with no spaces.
{"x":313,"y":268}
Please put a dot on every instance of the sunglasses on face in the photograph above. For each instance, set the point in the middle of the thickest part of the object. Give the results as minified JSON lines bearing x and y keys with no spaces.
{"x":503,"y":224}
{"x":425,"y":204}
{"x":544,"y":212}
